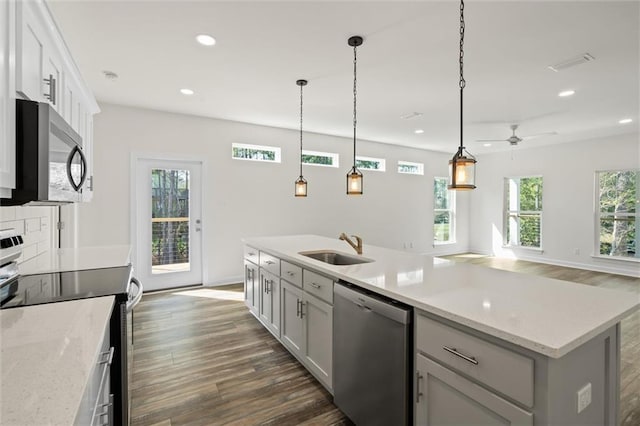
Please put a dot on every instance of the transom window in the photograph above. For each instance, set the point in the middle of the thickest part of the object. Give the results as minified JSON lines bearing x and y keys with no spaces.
{"x":240,"y":151}
{"x":316,"y":158}
{"x":370,"y":163}
{"x":443,"y":212}
{"x":523,"y":211}
{"x":407,"y":167}
{"x":617,"y":216}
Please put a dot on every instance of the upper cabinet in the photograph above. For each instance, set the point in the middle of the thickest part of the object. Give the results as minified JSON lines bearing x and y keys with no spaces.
{"x":40,"y":68}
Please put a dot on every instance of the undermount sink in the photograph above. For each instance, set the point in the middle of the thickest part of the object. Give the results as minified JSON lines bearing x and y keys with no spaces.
{"x":335,"y":257}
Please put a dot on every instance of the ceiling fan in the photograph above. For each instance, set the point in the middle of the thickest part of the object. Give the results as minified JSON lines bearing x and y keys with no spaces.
{"x":515,"y":139}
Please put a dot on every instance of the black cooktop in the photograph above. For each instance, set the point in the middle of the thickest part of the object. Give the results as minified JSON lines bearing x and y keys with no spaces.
{"x":27,"y":290}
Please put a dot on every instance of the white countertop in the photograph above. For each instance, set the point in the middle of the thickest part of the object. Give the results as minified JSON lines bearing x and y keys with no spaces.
{"x":76,"y":259}
{"x":47,"y":354}
{"x":545,"y":315}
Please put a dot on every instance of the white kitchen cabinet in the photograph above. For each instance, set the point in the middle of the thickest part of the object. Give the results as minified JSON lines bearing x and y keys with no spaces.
{"x":7,"y":99}
{"x":252,"y":287}
{"x":270,"y":301}
{"x":292,"y":329}
{"x":445,"y":397}
{"x":318,"y":337}
{"x":38,"y":64}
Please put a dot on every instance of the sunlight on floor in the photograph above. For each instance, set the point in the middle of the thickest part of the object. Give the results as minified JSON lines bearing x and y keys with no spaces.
{"x":172,"y":267}
{"x":212,"y":293}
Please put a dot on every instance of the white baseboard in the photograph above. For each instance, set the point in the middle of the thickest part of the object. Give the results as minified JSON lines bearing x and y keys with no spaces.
{"x":225,"y":281}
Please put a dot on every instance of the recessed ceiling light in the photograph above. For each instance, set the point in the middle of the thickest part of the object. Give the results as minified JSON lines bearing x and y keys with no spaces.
{"x":187,"y":92}
{"x":486,"y":144}
{"x":418,"y":131}
{"x":566,"y":93}
{"x":205,"y":40}
{"x":625,"y":121}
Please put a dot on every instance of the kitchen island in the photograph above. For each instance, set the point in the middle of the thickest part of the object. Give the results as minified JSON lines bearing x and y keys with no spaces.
{"x":558,"y":341}
{"x":52,"y":362}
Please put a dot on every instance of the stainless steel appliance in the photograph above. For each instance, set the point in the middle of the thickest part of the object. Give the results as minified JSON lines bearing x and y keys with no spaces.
{"x":372,"y":357}
{"x":27,"y":290}
{"x":51,"y":167}
{"x":10,"y":250}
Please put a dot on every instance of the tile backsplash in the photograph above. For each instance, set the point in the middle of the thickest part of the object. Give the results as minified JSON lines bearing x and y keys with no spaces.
{"x":36,"y":224}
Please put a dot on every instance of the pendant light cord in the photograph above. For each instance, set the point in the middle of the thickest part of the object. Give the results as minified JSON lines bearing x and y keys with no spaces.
{"x":355,"y":121}
{"x":463,"y":83}
{"x":301,"y":130}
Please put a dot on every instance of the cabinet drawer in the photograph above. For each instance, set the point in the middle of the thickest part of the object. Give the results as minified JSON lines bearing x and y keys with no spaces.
{"x":291,"y":273}
{"x":270,"y":263}
{"x":318,"y":285}
{"x":251,"y":254}
{"x":499,"y":368}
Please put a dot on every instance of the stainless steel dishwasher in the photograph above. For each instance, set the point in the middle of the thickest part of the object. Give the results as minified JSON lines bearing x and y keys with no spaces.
{"x":372,"y":357}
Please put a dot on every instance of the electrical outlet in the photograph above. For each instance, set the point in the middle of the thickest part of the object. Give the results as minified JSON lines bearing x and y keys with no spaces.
{"x":584,"y":397}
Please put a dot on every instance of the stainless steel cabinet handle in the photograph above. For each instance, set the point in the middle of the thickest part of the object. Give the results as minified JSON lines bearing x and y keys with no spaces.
{"x":298,"y":309}
{"x":269,"y":262}
{"x":454,"y":351}
{"x":266,"y":286}
{"x":290,"y":273}
{"x":109,"y":356}
{"x":418,"y":379}
{"x":251,"y":253}
{"x":51,"y":82}
{"x":314,"y":285}
{"x":302,"y":304}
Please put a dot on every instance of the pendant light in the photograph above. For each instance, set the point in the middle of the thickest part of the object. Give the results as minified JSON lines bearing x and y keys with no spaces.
{"x":462,"y":167}
{"x":301,"y":183}
{"x":354,"y":177}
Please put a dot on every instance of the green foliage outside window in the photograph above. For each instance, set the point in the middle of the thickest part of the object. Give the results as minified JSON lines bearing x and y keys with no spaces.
{"x":254,"y":154}
{"x":324,"y":160}
{"x":442,"y":211}
{"x":523,"y":211}
{"x":618,"y":198}
{"x":368,"y":164}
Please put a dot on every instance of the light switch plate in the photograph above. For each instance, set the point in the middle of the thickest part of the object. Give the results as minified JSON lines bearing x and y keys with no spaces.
{"x":584,"y":397}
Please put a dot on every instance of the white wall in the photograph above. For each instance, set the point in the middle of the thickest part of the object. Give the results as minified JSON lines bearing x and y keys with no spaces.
{"x":568,"y":172}
{"x":246,"y":198}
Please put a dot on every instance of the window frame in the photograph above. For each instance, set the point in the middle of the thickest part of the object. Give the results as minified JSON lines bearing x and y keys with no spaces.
{"x":275,"y":149}
{"x":334,"y":155}
{"x":506,"y":214}
{"x":382,"y":161}
{"x":451,"y":210}
{"x":598,"y":215}
{"x":411,"y":163}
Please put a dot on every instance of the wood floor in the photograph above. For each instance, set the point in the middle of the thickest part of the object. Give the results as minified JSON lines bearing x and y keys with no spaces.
{"x":202,"y":359}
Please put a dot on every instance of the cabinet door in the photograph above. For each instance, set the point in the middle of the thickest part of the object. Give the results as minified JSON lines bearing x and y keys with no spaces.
{"x":291,"y":323}
{"x":7,"y":99}
{"x":318,"y":337}
{"x":270,"y":301}
{"x":446,"y":398}
{"x":251,"y":290}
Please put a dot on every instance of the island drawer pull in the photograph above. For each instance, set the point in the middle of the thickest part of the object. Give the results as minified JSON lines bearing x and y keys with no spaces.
{"x":454,"y":351}
{"x":291,"y":273}
{"x":269,"y":262}
{"x":298,"y":308}
{"x":418,"y":392}
{"x":314,"y":285}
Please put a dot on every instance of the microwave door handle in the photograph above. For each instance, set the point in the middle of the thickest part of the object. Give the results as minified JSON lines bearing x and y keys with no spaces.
{"x":83,"y":167}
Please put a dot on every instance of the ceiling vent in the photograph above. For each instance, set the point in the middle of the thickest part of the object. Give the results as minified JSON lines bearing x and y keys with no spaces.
{"x":581,"y":59}
{"x":411,"y":115}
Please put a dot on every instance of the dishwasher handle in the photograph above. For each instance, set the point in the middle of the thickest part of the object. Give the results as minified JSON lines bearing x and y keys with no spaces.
{"x":378,"y":305}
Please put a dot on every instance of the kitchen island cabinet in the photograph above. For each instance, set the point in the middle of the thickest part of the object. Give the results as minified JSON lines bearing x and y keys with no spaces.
{"x":548,"y":350}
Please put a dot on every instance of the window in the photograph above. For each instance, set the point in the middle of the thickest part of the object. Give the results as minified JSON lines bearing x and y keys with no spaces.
{"x":443,"y":212}
{"x":523,"y":211}
{"x":240,"y":151}
{"x":618,"y":220}
{"x":369,"y":163}
{"x":410,"y":168}
{"x":315,"y":158}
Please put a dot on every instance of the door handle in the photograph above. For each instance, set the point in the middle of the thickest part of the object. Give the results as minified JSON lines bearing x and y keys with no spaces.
{"x":51,"y":82}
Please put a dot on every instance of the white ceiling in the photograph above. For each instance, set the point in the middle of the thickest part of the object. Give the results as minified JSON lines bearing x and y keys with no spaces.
{"x":408,"y":63}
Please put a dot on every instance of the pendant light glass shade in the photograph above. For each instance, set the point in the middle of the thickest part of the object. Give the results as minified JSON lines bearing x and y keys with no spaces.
{"x":301,"y":187}
{"x":354,"y":182}
{"x":301,"y":183}
{"x":354,"y":177}
{"x":462,"y":167}
{"x":462,"y":171}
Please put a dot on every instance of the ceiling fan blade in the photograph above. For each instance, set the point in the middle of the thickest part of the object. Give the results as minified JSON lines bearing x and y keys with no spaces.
{"x":491,"y":140}
{"x":538,"y":135}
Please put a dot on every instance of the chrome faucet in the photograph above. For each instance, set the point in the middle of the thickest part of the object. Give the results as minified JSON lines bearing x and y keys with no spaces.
{"x":356,"y":246}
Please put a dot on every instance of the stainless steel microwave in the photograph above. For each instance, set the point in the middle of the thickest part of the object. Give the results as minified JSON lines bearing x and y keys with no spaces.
{"x":51,"y":167}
